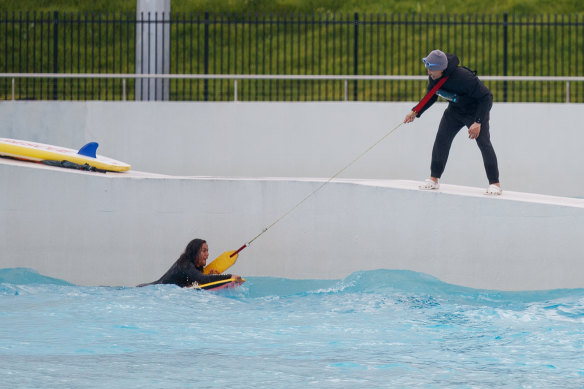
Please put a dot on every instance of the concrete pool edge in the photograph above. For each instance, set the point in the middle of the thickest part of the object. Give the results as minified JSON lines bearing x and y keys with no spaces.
{"x":123,"y":229}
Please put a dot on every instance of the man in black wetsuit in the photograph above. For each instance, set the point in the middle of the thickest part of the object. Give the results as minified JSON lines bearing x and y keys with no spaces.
{"x":469,"y":105}
{"x":189,"y":267}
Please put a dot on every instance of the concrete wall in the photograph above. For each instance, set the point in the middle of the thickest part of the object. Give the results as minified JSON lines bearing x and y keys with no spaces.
{"x":538,"y":145}
{"x":124,"y":229}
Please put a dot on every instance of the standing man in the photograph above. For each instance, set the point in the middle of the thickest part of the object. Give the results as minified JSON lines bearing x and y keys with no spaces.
{"x":469,"y":104}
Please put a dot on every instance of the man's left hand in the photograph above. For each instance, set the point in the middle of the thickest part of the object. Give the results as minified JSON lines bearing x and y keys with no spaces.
{"x":474,"y":130}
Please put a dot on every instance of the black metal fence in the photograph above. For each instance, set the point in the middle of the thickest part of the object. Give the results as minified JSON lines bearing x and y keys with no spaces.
{"x":315,"y":44}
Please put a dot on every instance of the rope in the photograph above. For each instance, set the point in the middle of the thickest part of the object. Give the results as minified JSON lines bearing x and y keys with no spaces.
{"x":320,"y":187}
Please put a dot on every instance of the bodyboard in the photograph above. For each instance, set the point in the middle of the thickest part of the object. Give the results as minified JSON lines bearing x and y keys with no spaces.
{"x":217,"y":285}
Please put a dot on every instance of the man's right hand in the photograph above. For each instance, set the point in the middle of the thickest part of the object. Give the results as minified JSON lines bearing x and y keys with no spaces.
{"x":410,"y":117}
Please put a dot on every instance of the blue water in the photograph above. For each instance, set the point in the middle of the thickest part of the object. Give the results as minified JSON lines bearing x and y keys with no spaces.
{"x":374,"y":329}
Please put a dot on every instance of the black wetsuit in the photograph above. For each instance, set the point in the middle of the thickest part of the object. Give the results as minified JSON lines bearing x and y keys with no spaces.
{"x":469,"y":101}
{"x":185,"y":273}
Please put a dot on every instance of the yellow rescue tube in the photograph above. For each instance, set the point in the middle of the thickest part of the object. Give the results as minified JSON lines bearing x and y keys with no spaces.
{"x":221,"y":263}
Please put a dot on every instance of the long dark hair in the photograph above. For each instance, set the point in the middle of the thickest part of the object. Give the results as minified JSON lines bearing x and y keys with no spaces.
{"x":191,"y":251}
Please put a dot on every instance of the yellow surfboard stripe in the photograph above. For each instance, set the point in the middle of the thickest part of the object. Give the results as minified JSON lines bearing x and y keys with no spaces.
{"x":32,"y":151}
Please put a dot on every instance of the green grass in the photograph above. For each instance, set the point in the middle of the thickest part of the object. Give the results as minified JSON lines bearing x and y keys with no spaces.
{"x":298,"y":48}
{"x":520,"y":7}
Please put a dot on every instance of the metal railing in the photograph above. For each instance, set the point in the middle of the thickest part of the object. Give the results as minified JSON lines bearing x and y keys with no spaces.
{"x":295,"y":44}
{"x":240,"y":77}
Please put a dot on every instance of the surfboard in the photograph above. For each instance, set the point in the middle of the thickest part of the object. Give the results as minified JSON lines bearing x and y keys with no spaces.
{"x":39,"y":152}
{"x":217,"y":285}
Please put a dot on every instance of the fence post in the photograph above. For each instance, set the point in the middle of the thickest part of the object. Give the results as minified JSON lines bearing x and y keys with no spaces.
{"x":55,"y":53}
{"x":505,"y":53}
{"x":152,"y":49}
{"x":206,"y":57}
{"x":567,"y":91}
{"x":355,"y":54}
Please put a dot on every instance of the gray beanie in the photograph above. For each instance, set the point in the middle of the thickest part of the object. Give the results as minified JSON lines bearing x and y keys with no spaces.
{"x":436,"y":60}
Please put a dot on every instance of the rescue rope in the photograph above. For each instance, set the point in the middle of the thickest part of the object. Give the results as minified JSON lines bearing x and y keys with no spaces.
{"x":318,"y":189}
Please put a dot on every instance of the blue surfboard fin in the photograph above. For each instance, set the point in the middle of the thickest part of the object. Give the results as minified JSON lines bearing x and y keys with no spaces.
{"x":89,"y":150}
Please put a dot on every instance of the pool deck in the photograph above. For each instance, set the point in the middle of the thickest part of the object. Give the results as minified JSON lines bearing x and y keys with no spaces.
{"x":127,"y":228}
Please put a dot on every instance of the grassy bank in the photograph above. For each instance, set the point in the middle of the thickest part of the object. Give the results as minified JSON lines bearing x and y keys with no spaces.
{"x":287,"y":37}
{"x":520,"y":7}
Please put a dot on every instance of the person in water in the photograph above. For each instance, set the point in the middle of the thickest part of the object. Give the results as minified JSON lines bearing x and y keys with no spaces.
{"x":188,"y":268}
